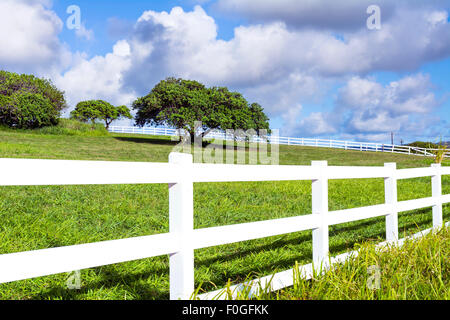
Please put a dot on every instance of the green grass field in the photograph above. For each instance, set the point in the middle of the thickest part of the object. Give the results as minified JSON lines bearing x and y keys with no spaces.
{"x":418,"y":269}
{"x":43,"y":217}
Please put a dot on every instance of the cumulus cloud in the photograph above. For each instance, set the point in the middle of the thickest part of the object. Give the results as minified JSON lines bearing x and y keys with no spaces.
{"x":29,"y":31}
{"x":186,"y":44}
{"x":85,"y":33}
{"x":410,"y":94}
{"x":343,"y":15}
{"x":272,"y":63}
{"x":279,"y":67}
{"x":99,"y":77}
{"x":317,"y":123}
{"x":321,"y":14}
{"x":366,"y":109}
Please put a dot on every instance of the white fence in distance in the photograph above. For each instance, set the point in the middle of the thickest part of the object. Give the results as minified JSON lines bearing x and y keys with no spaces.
{"x":182,"y":239}
{"x":310,"y":142}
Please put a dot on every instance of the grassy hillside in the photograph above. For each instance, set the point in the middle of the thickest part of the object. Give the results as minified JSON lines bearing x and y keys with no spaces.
{"x":43,"y":217}
{"x":70,"y":143}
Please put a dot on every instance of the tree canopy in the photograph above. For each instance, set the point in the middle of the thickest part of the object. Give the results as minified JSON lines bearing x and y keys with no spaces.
{"x":181,"y":103}
{"x":29,"y":102}
{"x":93,"y":110}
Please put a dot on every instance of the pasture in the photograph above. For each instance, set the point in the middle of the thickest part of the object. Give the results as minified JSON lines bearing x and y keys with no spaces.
{"x":43,"y":217}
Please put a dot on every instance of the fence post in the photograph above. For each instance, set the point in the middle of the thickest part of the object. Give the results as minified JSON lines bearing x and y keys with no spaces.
{"x":181,"y":225}
{"x":390,"y":194}
{"x":436,"y":192}
{"x":320,"y":207}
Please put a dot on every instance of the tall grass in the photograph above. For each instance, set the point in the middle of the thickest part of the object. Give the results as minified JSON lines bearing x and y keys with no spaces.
{"x":440,"y":153}
{"x":418,"y":270}
{"x":65,"y":127}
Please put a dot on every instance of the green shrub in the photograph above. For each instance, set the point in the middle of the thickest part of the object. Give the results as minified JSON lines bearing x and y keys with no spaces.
{"x":28,"y":110}
{"x":29,"y":102}
{"x":67,"y":127}
{"x":73,"y":127}
{"x":93,"y":110}
{"x":423,"y":144}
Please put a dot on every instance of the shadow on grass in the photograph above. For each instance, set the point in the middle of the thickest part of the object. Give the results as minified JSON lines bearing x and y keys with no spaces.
{"x":152,"y":140}
{"x":111,"y":278}
{"x":168,"y":142}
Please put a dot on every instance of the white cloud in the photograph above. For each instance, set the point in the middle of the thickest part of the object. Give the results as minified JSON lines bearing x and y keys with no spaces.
{"x":85,"y":33}
{"x":317,"y":123}
{"x":410,"y":94}
{"x":336,"y":15}
{"x":272,"y":63}
{"x":29,"y":33}
{"x":277,"y":67}
{"x":342,"y":15}
{"x":367,"y":109}
{"x":99,"y":77}
{"x":185,"y":44}
{"x":437,"y":17}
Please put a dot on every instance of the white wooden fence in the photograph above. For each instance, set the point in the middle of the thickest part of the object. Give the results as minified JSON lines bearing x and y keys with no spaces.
{"x":182,"y":239}
{"x":339,"y":144}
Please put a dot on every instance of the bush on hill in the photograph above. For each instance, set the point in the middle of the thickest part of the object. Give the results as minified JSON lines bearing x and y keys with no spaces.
{"x":423,"y":144}
{"x":68,"y":127}
{"x":29,"y":102}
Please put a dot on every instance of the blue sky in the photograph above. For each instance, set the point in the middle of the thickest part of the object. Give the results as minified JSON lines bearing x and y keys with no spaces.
{"x":315,"y":67}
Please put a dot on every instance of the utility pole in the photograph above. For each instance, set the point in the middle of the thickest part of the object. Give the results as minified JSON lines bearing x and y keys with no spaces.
{"x":392,"y":138}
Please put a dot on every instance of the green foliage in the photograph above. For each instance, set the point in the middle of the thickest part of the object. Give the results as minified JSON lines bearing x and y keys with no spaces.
{"x":440,"y":149}
{"x":418,"y":270}
{"x":65,"y":127}
{"x":93,"y":110}
{"x":72,"y":127}
{"x":29,"y":102}
{"x":440,"y":152}
{"x":423,"y":144}
{"x":28,"y":110}
{"x":180,"y":103}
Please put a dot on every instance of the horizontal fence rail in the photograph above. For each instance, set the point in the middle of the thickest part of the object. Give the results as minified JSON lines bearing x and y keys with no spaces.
{"x":182,"y":239}
{"x":308,"y":142}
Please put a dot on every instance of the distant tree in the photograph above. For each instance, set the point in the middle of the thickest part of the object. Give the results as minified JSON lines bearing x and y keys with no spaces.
{"x":29,"y":102}
{"x":423,"y":144}
{"x":93,"y":110}
{"x":180,"y":103}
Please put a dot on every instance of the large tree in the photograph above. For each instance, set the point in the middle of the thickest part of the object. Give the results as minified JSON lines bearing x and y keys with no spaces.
{"x":181,"y":103}
{"x":93,"y":110}
{"x":29,"y":102}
